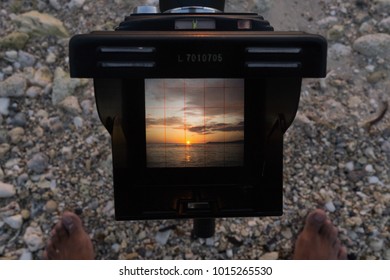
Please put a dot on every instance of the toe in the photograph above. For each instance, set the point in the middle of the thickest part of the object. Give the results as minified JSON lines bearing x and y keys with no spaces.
{"x":315,"y":221}
{"x":329,"y":231}
{"x":71,"y":222}
{"x":342,"y":253}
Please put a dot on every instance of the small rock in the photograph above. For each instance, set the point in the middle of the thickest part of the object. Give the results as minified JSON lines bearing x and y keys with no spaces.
{"x":15,"y":221}
{"x":6,"y":190}
{"x":26,"y":59}
{"x":38,"y":163}
{"x":16,"y":135}
{"x":35,"y":23}
{"x":64,"y":86}
{"x":33,"y":92}
{"x":369,"y":168}
{"x":376,"y":244}
{"x":13,"y":86}
{"x":70,"y":105}
{"x":26,"y":255}
{"x":25,"y":214}
{"x":78,"y":122}
{"x":336,"y":32}
{"x":373,"y":45}
{"x":43,"y":76}
{"x":19,"y":120}
{"x":76,"y":3}
{"x":15,"y":41}
{"x":330,"y":206}
{"x":327,"y":22}
{"x":384,"y":25}
{"x":33,"y":237}
{"x":374,"y":180}
{"x":4,"y":148}
{"x":350,"y":166}
{"x":386,"y":147}
{"x":163,"y":236}
{"x":4,"y":105}
{"x":287,"y":233}
{"x":229,"y":253}
{"x":55,"y":4}
{"x":51,"y":206}
{"x":270,"y":256}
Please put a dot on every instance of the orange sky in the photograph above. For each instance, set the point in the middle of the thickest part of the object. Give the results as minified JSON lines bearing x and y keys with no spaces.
{"x":198,"y":110}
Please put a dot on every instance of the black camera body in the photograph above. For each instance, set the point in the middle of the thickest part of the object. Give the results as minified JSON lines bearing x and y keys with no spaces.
{"x":197,"y":102}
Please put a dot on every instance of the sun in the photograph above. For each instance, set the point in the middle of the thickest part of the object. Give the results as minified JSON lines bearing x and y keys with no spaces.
{"x":188,"y":142}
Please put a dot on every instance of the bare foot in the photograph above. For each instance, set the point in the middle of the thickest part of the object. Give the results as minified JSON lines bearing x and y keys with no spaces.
{"x":318,"y":240}
{"x":69,"y":241}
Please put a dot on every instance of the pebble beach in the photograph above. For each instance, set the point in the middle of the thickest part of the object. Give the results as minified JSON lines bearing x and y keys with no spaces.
{"x":55,"y":155}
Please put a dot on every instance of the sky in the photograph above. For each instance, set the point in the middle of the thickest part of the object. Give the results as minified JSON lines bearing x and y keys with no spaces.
{"x":193,"y":111}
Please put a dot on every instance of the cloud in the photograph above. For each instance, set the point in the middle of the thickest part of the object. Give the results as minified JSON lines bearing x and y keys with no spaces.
{"x":217,"y":127}
{"x":170,"y":121}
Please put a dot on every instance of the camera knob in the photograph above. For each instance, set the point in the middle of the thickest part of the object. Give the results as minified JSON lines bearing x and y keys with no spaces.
{"x":145,"y":10}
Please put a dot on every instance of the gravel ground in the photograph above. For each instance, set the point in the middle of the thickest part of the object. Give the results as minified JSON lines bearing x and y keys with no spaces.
{"x":55,"y":154}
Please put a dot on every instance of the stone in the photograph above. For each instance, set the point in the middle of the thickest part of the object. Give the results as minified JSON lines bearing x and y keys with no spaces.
{"x":64,"y":86}
{"x":38,"y":24}
{"x":373,"y":45}
{"x":78,"y":122}
{"x":4,"y":148}
{"x":336,"y":32}
{"x":14,"y":41}
{"x":339,"y":50}
{"x":51,"y":206}
{"x":13,"y":86}
{"x":33,"y":237}
{"x":38,"y":163}
{"x":43,"y":76}
{"x":70,"y":105}
{"x":25,"y":59}
{"x":33,"y":92}
{"x":76,"y":3}
{"x":330,"y":206}
{"x":4,"y":105}
{"x":376,"y":244}
{"x":382,"y":5}
{"x":15,"y":221}
{"x":163,"y":236}
{"x":229,"y":253}
{"x":6,"y":190}
{"x":384,"y":25}
{"x":26,"y":255}
{"x":16,"y":135}
{"x":19,"y":120}
{"x":270,"y":256}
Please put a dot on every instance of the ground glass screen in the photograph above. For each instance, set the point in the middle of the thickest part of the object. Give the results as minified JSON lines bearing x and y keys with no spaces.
{"x":194,"y":122}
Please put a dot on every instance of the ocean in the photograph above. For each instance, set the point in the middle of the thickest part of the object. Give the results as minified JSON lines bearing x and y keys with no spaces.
{"x":195,"y":155}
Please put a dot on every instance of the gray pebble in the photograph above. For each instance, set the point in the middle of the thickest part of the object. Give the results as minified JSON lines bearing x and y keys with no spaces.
{"x":70,"y":105}
{"x":373,"y":45}
{"x":13,"y":86}
{"x":33,"y":237}
{"x":15,"y":221}
{"x":330,"y":206}
{"x":19,"y":120}
{"x":16,"y":135}
{"x":38,"y":163}
{"x":4,"y":105}
{"x":6,"y":190}
{"x":26,"y":59}
{"x":163,"y":236}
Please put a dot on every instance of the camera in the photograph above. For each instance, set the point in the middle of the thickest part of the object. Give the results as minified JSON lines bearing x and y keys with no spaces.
{"x":197,"y":102}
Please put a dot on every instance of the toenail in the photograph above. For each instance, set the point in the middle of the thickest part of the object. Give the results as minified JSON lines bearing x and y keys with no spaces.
{"x":319,"y":217}
{"x":68,"y":223}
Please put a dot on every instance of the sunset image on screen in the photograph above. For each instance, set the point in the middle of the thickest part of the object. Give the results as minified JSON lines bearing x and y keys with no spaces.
{"x":194,"y":122}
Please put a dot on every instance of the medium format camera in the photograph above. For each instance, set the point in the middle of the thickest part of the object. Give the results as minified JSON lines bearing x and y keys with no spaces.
{"x":196,"y":102}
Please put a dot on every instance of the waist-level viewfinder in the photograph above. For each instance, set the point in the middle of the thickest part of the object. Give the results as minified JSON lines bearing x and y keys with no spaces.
{"x":197,"y":101}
